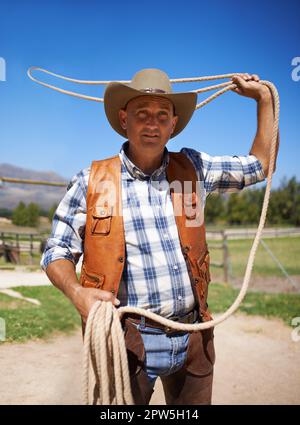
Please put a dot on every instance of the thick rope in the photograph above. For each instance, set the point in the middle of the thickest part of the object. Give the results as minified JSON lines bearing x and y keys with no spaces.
{"x":104,"y":344}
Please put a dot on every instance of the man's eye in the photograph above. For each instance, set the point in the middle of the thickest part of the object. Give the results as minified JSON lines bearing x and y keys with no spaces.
{"x":163,"y":115}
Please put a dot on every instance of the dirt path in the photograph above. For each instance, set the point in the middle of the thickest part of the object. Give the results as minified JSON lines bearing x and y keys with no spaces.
{"x":257,"y":363}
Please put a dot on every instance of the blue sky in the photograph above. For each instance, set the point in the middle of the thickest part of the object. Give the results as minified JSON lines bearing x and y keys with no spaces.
{"x":98,"y":40}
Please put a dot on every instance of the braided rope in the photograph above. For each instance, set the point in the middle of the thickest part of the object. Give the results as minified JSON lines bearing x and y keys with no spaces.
{"x":104,"y":344}
{"x":115,"y":389}
{"x":105,"y":82}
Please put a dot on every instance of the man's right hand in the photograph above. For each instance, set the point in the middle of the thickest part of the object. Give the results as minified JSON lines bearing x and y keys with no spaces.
{"x":85,"y":298}
{"x":62,"y":274}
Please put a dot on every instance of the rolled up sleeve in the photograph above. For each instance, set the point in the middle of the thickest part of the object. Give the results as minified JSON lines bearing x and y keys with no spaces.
{"x":68,"y":225}
{"x":225,"y":173}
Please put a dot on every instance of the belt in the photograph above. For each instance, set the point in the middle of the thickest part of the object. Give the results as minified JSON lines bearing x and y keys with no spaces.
{"x":190,"y":317}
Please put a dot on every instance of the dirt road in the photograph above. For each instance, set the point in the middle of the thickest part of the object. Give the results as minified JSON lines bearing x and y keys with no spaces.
{"x":257,"y":363}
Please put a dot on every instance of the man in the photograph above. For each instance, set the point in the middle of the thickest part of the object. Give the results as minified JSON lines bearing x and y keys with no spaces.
{"x":146,"y":255}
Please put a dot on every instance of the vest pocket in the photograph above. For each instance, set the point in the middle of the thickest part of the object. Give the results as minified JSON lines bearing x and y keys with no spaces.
{"x":91,"y":279}
{"x":101,"y":220}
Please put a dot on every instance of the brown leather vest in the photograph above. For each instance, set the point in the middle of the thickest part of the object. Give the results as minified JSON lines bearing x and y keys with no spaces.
{"x":104,"y":245}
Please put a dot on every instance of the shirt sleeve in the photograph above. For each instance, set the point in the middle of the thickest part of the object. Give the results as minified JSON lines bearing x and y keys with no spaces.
{"x":68,"y":225}
{"x":225,"y":173}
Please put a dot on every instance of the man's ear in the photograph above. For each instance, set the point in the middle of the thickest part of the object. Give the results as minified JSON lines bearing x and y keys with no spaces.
{"x":175,"y":119}
{"x":123,"y":118}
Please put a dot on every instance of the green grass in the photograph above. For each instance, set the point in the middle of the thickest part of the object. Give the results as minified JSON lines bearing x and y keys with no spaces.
{"x":26,"y":321}
{"x":283,"y":306}
{"x":287,"y":250}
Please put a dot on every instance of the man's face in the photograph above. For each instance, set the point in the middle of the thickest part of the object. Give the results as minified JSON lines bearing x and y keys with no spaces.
{"x":149,"y":122}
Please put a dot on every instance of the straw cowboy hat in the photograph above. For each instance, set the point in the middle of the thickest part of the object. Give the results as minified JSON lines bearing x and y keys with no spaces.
{"x":147,"y":82}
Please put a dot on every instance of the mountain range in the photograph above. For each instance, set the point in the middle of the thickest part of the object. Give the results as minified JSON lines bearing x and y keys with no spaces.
{"x":12,"y":193}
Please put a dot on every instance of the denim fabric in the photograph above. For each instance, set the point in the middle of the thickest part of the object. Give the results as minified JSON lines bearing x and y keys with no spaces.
{"x":164,"y":354}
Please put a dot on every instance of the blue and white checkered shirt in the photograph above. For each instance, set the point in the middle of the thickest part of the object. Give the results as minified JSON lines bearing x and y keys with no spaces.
{"x":155,"y":275}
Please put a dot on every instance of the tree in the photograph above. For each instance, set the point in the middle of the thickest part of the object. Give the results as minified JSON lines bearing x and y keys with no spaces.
{"x":214,"y":208}
{"x":33,"y":214}
{"x":19,"y":217}
{"x":26,"y":216}
{"x":52,"y":212}
{"x":284,"y":207}
{"x":237,"y":209}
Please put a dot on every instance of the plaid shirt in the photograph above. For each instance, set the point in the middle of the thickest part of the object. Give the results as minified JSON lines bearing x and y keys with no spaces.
{"x":155,"y":275}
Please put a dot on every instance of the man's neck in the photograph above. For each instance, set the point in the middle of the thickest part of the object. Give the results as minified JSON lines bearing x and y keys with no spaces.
{"x":147,"y":163}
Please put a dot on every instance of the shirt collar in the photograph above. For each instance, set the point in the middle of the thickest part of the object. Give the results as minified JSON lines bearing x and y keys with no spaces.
{"x":134,"y":172}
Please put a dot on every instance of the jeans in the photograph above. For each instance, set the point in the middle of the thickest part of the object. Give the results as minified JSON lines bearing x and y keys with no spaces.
{"x":184,"y":362}
{"x":165,"y":354}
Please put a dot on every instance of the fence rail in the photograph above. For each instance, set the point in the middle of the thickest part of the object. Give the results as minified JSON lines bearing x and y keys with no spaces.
{"x":250,"y":233}
{"x":13,"y":243}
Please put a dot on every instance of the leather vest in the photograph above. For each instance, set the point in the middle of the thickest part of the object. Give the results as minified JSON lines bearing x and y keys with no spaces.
{"x":104,"y":244}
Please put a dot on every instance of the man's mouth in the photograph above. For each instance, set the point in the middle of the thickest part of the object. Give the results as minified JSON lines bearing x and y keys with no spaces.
{"x":152,"y":136}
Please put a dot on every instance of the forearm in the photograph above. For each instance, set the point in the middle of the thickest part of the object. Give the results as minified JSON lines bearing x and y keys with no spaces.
{"x":265,"y":122}
{"x":62,"y":274}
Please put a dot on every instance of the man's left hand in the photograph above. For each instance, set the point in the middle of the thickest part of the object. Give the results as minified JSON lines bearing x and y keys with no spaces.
{"x":249,"y":86}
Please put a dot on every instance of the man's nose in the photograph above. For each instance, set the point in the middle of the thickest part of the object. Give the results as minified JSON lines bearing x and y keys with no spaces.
{"x":152,"y":120}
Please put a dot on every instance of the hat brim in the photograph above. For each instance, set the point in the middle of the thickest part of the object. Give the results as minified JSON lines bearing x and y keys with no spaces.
{"x":117,"y":95}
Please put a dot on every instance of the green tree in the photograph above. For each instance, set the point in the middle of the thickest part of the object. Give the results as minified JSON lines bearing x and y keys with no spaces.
{"x":4,"y":212}
{"x":284,"y":207}
{"x":52,"y":212}
{"x":237,"y":209}
{"x":26,"y":215}
{"x":33,"y":214}
{"x":214,"y":208}
{"x":19,"y":217}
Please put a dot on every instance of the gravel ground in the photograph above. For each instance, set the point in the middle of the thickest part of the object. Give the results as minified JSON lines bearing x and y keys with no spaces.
{"x":257,"y":363}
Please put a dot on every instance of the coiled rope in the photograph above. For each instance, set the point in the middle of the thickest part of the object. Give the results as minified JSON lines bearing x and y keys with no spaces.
{"x":104,"y":344}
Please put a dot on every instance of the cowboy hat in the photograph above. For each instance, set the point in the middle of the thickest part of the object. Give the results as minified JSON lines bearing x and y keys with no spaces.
{"x":147,"y":82}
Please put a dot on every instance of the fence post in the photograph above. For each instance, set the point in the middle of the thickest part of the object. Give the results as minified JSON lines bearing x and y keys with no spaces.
{"x":31,"y":249}
{"x":225,"y":256}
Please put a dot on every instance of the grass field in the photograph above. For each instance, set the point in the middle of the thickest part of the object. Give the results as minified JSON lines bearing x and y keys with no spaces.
{"x":287,"y":251}
{"x":56,"y":314}
{"x":26,"y":321}
{"x":282,"y":306}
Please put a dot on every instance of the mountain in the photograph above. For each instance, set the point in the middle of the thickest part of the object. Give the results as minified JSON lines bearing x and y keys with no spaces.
{"x":45,"y":196}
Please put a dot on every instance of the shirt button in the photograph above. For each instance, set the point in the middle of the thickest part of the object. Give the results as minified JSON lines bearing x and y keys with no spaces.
{"x":175,"y":267}
{"x":179,"y":297}
{"x":166,"y":236}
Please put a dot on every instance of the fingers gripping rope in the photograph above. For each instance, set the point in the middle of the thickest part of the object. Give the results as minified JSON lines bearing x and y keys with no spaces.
{"x":104,"y":345}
